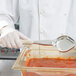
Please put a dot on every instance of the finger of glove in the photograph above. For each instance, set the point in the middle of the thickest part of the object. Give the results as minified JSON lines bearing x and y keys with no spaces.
{"x":6,"y":41}
{"x":8,"y":44}
{"x":23,"y":37}
{"x":12,"y":40}
{"x":3,"y":42}
{"x":17,"y":41}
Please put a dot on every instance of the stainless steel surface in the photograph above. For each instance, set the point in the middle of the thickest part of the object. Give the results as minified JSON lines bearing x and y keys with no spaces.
{"x":7,"y":59}
{"x":5,"y":68}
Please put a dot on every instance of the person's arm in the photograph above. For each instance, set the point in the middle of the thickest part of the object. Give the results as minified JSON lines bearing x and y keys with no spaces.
{"x":9,"y":14}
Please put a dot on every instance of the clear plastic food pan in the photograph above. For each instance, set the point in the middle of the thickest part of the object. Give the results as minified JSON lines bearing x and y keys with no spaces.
{"x":36,"y":51}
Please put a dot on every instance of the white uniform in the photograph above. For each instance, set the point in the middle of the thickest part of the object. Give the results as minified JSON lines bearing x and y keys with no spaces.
{"x":45,"y":18}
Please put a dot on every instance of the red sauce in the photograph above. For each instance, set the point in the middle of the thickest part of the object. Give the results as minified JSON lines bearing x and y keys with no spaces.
{"x":71,"y":75}
{"x":52,"y":62}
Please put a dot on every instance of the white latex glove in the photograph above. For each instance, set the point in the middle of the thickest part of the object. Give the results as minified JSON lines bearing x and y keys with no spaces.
{"x":11,"y":38}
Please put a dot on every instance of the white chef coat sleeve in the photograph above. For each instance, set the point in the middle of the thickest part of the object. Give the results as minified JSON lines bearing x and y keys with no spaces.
{"x":9,"y":13}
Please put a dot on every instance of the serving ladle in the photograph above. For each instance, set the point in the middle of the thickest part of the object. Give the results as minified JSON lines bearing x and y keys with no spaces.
{"x":63,"y":43}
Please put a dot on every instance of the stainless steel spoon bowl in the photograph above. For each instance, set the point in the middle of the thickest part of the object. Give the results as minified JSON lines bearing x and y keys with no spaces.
{"x":64,"y":43}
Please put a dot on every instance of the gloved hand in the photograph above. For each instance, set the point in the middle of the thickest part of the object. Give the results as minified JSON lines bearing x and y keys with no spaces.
{"x":11,"y":38}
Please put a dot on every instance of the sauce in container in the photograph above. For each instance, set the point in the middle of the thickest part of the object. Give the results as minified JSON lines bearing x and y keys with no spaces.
{"x":50,"y":62}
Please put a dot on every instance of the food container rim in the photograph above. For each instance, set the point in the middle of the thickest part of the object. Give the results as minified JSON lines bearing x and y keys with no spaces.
{"x":16,"y":66}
